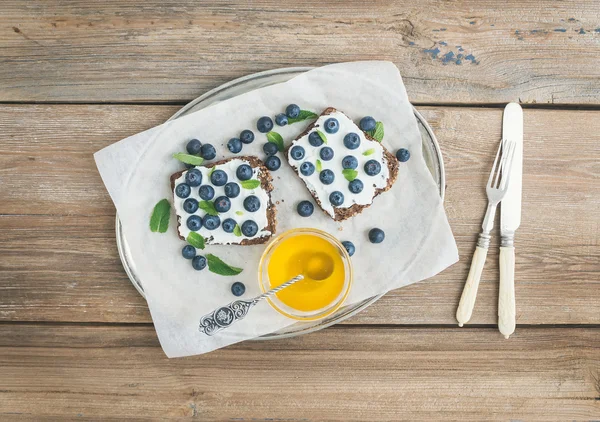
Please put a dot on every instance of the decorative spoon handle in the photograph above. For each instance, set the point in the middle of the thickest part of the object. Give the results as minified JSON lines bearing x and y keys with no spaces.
{"x":223,"y":317}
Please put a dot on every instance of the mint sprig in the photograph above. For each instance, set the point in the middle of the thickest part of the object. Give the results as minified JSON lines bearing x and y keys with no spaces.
{"x":237,"y":230}
{"x":304,"y":115}
{"x":277,"y":139}
{"x":377,"y":133}
{"x":196,"y":240}
{"x":212,"y":170}
{"x":250,"y":184}
{"x":322,"y":136}
{"x":350,"y":174}
{"x":208,"y":207}
{"x":159,"y":220}
{"x":239,"y":212}
{"x":369,"y":151}
{"x":189,"y":159}
{"x":319,"y":166}
{"x":217,"y":266}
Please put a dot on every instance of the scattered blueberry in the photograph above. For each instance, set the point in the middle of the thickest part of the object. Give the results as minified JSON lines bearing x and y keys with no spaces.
{"x":238,"y":289}
{"x":326,"y":153}
{"x":372,"y":167}
{"x":264,"y":124}
{"x":292,"y":111}
{"x":244,"y":172}
{"x":206,"y":192}
{"x":367,"y":123}
{"x":249,"y":228}
{"x":305,"y":208}
{"x":222,"y":204}
{"x":188,"y":252}
{"x":307,"y":168}
{"x":403,"y":155}
{"x":349,"y":162}
{"x":199,"y":263}
{"x":355,"y":186}
{"x":211,"y":222}
{"x":190,"y":205}
{"x":234,"y":145}
{"x":193,"y":147}
{"x":218,"y":178}
{"x":270,"y":149}
{"x":193,"y":177}
{"x":297,"y":152}
{"x":326,"y":177}
{"x":232,"y":190}
{"x":273,"y":163}
{"x":182,"y":190}
{"x":314,"y":139}
{"x":228,"y":225}
{"x":349,"y":247}
{"x":252,"y":203}
{"x":189,"y":166}
{"x":336,"y":198}
{"x":376,"y":235}
{"x":247,"y":136}
{"x":351,"y":140}
{"x":208,"y":152}
{"x":281,"y":119}
{"x":331,"y":125}
{"x":194,"y":223}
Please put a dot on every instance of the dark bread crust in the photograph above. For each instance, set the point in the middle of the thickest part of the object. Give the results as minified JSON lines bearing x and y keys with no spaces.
{"x":265,"y":182}
{"x":342,"y":214}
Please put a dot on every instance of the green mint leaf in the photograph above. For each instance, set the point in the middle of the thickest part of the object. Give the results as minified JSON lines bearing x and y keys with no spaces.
{"x":350,"y":174}
{"x":239,"y":212}
{"x":322,"y":136}
{"x":250,"y":184}
{"x":237,"y":231}
{"x":189,"y":159}
{"x":217,"y":266}
{"x":276,"y":139}
{"x":319,"y":166}
{"x":304,"y":115}
{"x":196,"y":240}
{"x":159,"y":220}
{"x":211,"y":171}
{"x":208,"y":207}
{"x":369,"y":151}
{"x":377,"y":133}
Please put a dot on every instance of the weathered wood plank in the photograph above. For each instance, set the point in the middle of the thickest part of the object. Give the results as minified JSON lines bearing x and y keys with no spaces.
{"x":466,"y":52}
{"x":341,"y":374}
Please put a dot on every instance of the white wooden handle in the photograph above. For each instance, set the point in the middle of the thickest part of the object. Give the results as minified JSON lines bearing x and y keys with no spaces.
{"x":506,"y":299}
{"x":467,"y":300}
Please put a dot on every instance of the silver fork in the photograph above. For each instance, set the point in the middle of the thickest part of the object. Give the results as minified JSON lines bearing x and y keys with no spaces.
{"x":495,"y":189}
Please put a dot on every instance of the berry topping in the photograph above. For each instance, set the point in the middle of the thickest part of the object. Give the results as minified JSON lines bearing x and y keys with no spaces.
{"x":182,"y":190}
{"x":326,"y":153}
{"x":326,"y":177}
{"x":332,"y":125}
{"x":372,"y":167}
{"x":307,"y":168}
{"x":315,"y":140}
{"x":351,"y":140}
{"x":297,"y":152}
{"x":194,"y":223}
{"x":222,"y":204}
{"x":193,"y":177}
{"x":252,"y":203}
{"x":190,"y":205}
{"x":244,"y":172}
{"x":211,"y":222}
{"x":228,"y":225}
{"x":356,"y":186}
{"x":336,"y":198}
{"x":367,"y":123}
{"x":349,"y":162}
{"x":218,"y":178}
{"x":232,"y":190}
{"x":206,"y":192}
{"x":249,"y":228}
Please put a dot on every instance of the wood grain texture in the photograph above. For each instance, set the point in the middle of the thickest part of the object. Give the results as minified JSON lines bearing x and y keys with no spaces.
{"x":340,"y":374}
{"x":461,"y":52}
{"x":60,"y":263}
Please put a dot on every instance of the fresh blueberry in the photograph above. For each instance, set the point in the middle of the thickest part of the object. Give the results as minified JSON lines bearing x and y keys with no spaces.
{"x":249,"y":228}
{"x":314,"y":139}
{"x":307,"y":168}
{"x":376,"y":235}
{"x":355,"y":186}
{"x":292,"y":111}
{"x":244,"y":172}
{"x":297,"y":152}
{"x":193,"y":177}
{"x":270,"y":149}
{"x":206,"y":192}
{"x":372,"y":167}
{"x":208,"y":152}
{"x":234,"y":145}
{"x":190,"y":205}
{"x":326,"y":153}
{"x":194,"y":223}
{"x":238,"y":289}
{"x":349,"y":246}
{"x":222,"y":204}
{"x":331,"y":125}
{"x":232,"y":190}
{"x":211,"y":222}
{"x":273,"y":163}
{"x":326,"y":177}
{"x":188,"y":252}
{"x":336,"y":198}
{"x":351,"y":140}
{"x":349,"y":162}
{"x":264,"y":124}
{"x":193,"y":147}
{"x":199,"y":262}
{"x":189,"y":166}
{"x":182,"y":190}
{"x":281,"y":119}
{"x":228,"y":225}
{"x":218,"y":178}
{"x":247,"y":136}
{"x":252,"y":203}
{"x":367,"y":123}
{"x":403,"y":155}
{"x":305,"y":208}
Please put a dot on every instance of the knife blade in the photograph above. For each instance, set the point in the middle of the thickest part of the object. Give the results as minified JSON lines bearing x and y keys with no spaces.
{"x":510,"y":220}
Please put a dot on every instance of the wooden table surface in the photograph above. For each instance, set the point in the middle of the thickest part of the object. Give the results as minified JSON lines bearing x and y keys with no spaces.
{"x":76,"y":339}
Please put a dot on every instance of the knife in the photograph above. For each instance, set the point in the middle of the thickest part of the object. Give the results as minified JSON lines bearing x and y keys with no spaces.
{"x":510,"y":219}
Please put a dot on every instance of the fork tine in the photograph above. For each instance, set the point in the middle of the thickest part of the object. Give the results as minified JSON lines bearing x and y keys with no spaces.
{"x":493,"y":172}
{"x":497,"y":178}
{"x":506,"y":173}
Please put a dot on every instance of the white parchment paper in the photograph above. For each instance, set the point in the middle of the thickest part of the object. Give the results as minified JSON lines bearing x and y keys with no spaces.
{"x":136,"y":170}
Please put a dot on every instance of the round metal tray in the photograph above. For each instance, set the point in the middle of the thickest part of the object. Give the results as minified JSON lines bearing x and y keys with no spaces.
{"x":431,"y":153}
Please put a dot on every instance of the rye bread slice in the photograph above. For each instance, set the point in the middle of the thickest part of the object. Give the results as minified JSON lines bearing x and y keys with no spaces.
{"x":265,"y":182}
{"x":345,"y":213}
